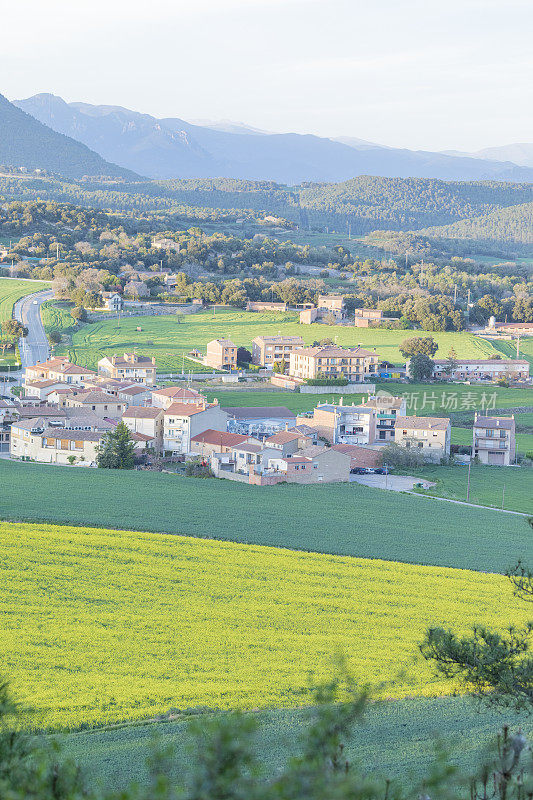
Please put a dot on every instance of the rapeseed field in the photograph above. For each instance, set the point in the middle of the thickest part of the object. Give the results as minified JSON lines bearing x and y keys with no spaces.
{"x":103,"y":626}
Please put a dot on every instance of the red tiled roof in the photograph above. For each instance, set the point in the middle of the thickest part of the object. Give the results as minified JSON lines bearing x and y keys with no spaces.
{"x":222,"y":438}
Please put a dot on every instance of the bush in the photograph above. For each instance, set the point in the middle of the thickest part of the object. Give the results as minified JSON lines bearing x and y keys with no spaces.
{"x":198,"y":469}
{"x":395,"y":456}
{"x":327,"y":382}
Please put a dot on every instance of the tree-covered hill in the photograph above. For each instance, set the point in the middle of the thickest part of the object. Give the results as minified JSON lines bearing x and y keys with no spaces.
{"x":512,"y":224}
{"x":25,"y":142}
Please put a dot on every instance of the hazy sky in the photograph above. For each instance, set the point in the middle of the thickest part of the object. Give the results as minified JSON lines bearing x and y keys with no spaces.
{"x":430,"y":74}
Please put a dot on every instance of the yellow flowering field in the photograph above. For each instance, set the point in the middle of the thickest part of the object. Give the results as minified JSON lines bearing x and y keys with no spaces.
{"x":101,"y":626}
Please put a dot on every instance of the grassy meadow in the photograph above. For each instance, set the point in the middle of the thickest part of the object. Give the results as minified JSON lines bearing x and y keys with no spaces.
{"x":489,"y":486}
{"x":10,"y":292}
{"x":102,"y":626}
{"x":345,"y":519}
{"x":168,"y":338}
{"x":13,"y":290}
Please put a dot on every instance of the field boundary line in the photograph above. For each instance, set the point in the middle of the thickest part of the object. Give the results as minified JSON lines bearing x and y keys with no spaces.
{"x":470,"y":505}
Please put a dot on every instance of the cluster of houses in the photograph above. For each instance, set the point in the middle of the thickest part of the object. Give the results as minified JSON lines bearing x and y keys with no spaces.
{"x":68,"y":409}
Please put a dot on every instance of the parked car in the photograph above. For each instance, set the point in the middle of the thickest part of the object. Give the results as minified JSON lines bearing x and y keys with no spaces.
{"x":360,"y":471}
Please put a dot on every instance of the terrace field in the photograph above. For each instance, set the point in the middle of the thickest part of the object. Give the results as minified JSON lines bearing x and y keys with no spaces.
{"x":102,"y":626}
{"x":346,"y":519}
{"x":168,"y":338}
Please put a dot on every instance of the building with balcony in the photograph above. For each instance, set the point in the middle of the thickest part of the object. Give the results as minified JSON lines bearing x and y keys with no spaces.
{"x":429,"y":436}
{"x":268,"y":349}
{"x":183,"y":421}
{"x":130,"y":366}
{"x":345,"y":424}
{"x":494,"y":440}
{"x":387,"y":409}
{"x":354,"y":363}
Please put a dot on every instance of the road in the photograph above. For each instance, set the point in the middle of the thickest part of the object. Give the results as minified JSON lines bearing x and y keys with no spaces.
{"x":34,"y":347}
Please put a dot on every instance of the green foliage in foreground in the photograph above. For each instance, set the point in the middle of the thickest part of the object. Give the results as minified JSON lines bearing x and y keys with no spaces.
{"x":225,"y":763}
{"x":344,"y":519}
{"x":397,"y":738}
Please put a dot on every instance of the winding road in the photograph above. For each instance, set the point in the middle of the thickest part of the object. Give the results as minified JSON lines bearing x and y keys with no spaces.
{"x":34,"y":347}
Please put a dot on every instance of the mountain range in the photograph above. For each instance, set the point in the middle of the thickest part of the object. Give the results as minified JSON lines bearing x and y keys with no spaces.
{"x":173,"y":148}
{"x":26,"y":142}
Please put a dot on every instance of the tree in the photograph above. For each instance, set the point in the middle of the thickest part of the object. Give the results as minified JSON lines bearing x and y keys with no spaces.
{"x":451,"y":362}
{"x":14,"y":328}
{"x":496,"y":667}
{"x":117,"y":449}
{"x":421,"y":367}
{"x":54,"y":337}
{"x":419,"y":345}
{"x":78,"y":314}
{"x":280,"y":366}
{"x":244,"y":356}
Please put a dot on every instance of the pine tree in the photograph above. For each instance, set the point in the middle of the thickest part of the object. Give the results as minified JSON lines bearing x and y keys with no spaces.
{"x":117,"y":449}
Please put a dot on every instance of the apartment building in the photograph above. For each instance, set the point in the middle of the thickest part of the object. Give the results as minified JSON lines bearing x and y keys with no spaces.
{"x":354,"y":363}
{"x":494,"y":440}
{"x":483,"y":369}
{"x":431,"y":436}
{"x":130,"y":366}
{"x":221,"y":354}
{"x":387,"y":409}
{"x":183,"y":421}
{"x":268,"y":349}
{"x":146,"y":421}
{"x":345,"y":424}
{"x":57,"y":369}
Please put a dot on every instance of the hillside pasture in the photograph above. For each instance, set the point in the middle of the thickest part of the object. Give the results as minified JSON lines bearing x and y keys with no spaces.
{"x":341,"y":519}
{"x":102,"y":626}
{"x":171,"y":337}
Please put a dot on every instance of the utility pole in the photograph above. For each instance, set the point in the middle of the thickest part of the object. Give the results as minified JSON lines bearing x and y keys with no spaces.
{"x":503,"y":496}
{"x":454,"y":293}
{"x":468,"y":481}
{"x":518,"y":346}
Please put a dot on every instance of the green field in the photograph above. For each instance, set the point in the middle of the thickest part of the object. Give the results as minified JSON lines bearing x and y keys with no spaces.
{"x":167,"y":339}
{"x":343,"y":519}
{"x":10,"y":292}
{"x":13,"y":290}
{"x":488,"y":485}
{"x":56,"y":317}
{"x":104,"y":626}
{"x":509,"y":348}
{"x":426,"y":399}
{"x":397,"y":738}
{"x":463,"y":436}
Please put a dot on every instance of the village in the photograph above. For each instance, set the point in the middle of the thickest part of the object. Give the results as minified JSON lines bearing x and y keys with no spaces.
{"x":66,"y":410}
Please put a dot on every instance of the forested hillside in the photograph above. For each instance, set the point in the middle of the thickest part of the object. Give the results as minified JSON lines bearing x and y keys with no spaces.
{"x":25,"y":142}
{"x":513,"y":224}
{"x":358,"y":206}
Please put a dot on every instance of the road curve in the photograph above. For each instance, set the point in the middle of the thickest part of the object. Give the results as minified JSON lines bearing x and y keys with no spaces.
{"x":33,"y":347}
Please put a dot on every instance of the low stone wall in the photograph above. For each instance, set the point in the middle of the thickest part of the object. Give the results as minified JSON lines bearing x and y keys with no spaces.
{"x":351,"y":388}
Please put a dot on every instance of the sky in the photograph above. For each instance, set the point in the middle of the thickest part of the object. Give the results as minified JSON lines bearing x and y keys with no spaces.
{"x":421,"y":74}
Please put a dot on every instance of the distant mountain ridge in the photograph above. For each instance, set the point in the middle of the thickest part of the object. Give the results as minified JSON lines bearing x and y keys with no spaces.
{"x":26,"y":142}
{"x":173,"y":148}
